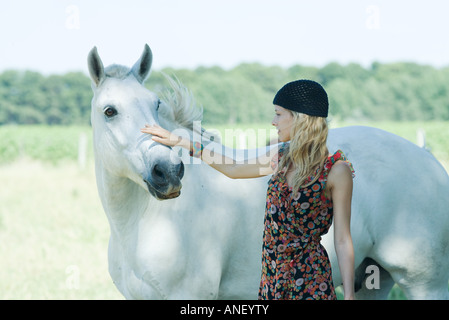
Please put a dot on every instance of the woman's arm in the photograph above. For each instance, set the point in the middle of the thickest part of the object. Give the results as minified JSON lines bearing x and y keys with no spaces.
{"x":261,"y":166}
{"x":340,"y":182}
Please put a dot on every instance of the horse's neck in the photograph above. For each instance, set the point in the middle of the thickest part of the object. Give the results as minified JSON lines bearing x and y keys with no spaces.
{"x":123,"y":200}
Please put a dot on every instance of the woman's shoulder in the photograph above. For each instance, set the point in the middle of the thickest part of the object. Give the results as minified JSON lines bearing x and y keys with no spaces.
{"x":340,"y":168}
{"x":340,"y":176}
{"x":338,"y":162}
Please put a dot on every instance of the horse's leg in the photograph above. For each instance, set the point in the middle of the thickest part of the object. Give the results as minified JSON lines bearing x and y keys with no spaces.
{"x":372,"y":282}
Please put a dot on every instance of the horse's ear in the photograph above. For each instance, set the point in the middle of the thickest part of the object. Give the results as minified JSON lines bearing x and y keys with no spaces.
{"x":142,"y":67}
{"x":95,"y":65}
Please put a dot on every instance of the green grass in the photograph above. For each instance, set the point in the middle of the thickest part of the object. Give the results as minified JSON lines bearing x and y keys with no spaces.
{"x":51,"y":144}
{"x":53,"y":233}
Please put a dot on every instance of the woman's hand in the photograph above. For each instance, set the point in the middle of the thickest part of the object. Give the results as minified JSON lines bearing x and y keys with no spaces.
{"x":164,"y":136}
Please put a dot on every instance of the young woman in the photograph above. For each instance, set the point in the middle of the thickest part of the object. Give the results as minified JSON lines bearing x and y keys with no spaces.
{"x":308,"y":189}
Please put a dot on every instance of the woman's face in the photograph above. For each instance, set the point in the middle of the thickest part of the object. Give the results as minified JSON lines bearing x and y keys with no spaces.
{"x":283,"y":121}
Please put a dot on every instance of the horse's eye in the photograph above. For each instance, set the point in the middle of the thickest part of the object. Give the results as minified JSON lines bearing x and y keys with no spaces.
{"x":158,"y":104}
{"x":110,"y":111}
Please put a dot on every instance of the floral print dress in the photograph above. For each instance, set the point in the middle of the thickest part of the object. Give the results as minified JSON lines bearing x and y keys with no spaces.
{"x":294,"y":263}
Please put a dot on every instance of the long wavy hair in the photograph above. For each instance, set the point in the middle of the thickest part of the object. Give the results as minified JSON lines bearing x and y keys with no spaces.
{"x":307,"y":150}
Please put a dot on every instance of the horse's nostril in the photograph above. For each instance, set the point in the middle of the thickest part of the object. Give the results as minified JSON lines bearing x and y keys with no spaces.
{"x":157,"y":172}
{"x":181,"y":170}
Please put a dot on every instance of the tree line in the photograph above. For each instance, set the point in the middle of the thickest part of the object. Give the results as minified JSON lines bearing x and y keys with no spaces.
{"x":243,"y":94}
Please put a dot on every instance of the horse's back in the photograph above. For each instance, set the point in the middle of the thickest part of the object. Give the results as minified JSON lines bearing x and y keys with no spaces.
{"x":393,"y":170}
{"x":400,"y":211}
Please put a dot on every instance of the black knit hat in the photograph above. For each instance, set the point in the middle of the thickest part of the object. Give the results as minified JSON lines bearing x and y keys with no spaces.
{"x":304,"y":96}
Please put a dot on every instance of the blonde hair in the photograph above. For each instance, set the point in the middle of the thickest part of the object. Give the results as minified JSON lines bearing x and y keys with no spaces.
{"x":307,"y":150}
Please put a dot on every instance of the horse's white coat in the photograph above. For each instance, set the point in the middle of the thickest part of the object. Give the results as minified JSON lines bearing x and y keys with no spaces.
{"x":206,"y":243}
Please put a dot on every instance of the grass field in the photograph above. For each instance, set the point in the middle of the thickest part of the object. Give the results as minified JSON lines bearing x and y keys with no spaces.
{"x":53,"y":231}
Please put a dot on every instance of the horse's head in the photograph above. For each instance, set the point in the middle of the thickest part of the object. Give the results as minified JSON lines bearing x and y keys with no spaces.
{"x":120,"y":107}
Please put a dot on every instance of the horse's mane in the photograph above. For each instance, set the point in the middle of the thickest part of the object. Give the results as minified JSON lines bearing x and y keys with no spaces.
{"x":186,"y":112}
{"x":182,"y":103}
{"x":117,"y":71}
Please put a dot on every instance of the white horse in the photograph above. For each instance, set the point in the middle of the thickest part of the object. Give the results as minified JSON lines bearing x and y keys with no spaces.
{"x":204,"y":240}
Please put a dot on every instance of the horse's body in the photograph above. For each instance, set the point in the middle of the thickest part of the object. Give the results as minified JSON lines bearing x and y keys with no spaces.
{"x":206,"y":243}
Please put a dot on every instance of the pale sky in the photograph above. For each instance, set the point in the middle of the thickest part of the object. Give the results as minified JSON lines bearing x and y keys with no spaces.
{"x":55,"y":36}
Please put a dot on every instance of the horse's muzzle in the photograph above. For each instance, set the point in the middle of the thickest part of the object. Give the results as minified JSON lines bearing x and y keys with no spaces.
{"x":164,"y":180}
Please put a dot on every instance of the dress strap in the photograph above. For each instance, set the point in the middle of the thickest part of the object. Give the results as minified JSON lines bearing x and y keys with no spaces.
{"x":338,"y":155}
{"x":277,"y":158}
{"x":331,"y":160}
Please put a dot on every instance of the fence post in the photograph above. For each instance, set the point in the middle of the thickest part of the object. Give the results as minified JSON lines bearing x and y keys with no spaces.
{"x":421,"y":138}
{"x":82,"y":151}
